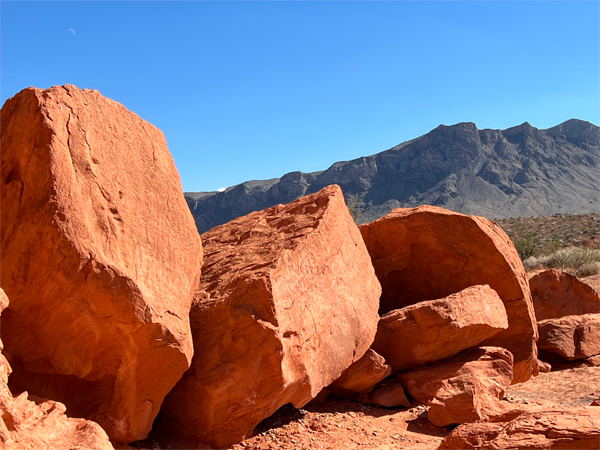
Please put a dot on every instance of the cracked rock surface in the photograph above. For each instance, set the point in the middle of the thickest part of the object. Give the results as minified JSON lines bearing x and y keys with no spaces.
{"x":100,"y":258}
{"x":288,"y":300}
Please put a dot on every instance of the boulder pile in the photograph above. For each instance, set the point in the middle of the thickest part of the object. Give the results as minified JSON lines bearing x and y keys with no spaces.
{"x":119,"y":310}
{"x":568,"y":315}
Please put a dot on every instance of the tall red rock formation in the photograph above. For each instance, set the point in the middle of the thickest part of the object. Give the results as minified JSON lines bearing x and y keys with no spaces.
{"x":100,"y":258}
{"x":428,"y":253}
{"x":288,"y":300}
{"x":556,"y":294}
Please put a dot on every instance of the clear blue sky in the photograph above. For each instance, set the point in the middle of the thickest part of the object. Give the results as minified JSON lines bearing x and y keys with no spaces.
{"x":253,"y":90}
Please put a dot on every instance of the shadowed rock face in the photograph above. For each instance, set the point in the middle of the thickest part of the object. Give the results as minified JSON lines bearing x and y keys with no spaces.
{"x":41,"y":425}
{"x":428,"y":253}
{"x":100,"y":258}
{"x":521,"y":171}
{"x":288,"y":300}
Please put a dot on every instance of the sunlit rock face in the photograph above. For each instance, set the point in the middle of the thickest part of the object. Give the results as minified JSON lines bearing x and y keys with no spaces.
{"x":288,"y":301}
{"x":100,"y":258}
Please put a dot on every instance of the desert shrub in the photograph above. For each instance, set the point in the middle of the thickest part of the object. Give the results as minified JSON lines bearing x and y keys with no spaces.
{"x":575,"y":260}
{"x":531,"y":264}
{"x":588,"y":270}
{"x":527,"y":245}
{"x":353,"y":209}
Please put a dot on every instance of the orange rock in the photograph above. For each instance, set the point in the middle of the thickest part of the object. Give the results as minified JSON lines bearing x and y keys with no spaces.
{"x":26,"y":425}
{"x":572,"y":337}
{"x":571,"y":428}
{"x":465,"y":388}
{"x":544,"y":366}
{"x":288,"y":301}
{"x":363,"y":375}
{"x":100,"y":258}
{"x":388,"y":393}
{"x":557,"y":294}
{"x":428,"y":253}
{"x":437,"y":329}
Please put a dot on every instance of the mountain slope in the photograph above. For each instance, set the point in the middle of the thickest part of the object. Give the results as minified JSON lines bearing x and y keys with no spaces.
{"x":521,"y":171}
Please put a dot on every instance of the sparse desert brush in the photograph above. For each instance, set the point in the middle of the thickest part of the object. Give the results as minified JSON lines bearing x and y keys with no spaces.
{"x":577,"y":261}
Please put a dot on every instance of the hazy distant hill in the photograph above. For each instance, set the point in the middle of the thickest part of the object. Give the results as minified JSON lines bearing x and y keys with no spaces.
{"x":521,"y":171}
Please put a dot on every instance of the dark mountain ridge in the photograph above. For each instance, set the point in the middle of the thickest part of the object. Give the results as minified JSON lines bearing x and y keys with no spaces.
{"x":518,"y":172}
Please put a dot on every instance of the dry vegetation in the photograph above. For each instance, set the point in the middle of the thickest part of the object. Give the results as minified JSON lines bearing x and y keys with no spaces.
{"x":567,"y":242}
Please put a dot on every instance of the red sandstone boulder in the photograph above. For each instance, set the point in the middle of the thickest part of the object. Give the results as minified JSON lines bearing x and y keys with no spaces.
{"x":437,"y":329}
{"x":100,"y":258}
{"x":28,"y":425}
{"x":571,"y":428}
{"x":428,"y":253}
{"x":288,"y":301}
{"x":388,"y":393}
{"x":465,"y":388}
{"x":572,"y":337}
{"x":557,"y":294}
{"x":362,"y":376}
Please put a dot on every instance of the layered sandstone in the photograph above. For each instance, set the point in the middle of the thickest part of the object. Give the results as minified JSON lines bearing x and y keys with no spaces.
{"x":571,"y":428}
{"x":288,"y":301}
{"x":428,"y":253}
{"x":556,"y":294}
{"x":437,"y":329}
{"x":100,"y":258}
{"x":465,"y":388}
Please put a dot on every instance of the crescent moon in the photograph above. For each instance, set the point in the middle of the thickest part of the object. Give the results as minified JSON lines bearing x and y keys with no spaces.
{"x":72,"y":31}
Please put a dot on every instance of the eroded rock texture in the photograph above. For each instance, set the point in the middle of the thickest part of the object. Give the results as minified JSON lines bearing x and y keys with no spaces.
{"x":437,"y":329}
{"x":288,"y":300}
{"x":571,"y":428}
{"x":428,"y":253}
{"x":465,"y":388}
{"x":100,"y":258}
{"x":41,"y":425}
{"x":557,"y":294}
{"x":572,"y":337}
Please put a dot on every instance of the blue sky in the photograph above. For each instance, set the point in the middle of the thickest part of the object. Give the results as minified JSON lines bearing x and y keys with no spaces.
{"x":253,"y":90}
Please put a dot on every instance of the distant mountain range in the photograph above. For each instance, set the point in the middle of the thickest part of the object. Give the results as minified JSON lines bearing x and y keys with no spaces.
{"x":518,"y":172}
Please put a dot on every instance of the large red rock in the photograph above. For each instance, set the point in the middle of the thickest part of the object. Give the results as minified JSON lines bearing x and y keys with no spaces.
{"x":100,"y":258}
{"x":557,"y":294}
{"x":432,"y":330}
{"x":362,"y":376}
{"x":571,"y":428}
{"x":41,"y":425}
{"x":572,"y":337}
{"x":428,"y":253}
{"x":288,"y":301}
{"x":465,"y":388}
